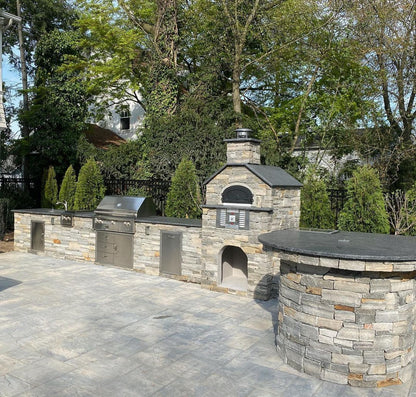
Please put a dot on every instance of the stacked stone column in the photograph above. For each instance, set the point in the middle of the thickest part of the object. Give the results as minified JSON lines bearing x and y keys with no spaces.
{"x":349,"y":322}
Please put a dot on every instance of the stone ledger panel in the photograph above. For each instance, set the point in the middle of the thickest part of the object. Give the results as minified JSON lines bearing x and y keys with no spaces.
{"x":347,"y":327}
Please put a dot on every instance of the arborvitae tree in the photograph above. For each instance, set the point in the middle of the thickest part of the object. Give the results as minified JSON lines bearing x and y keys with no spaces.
{"x":51,"y":189}
{"x":90,"y":187}
{"x":184,"y":197}
{"x":365,"y":209}
{"x":68,"y":188}
{"x":43,"y":202}
{"x":315,"y":207}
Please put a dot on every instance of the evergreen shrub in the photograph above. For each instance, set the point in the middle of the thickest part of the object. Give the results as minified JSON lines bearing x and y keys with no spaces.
{"x":315,"y":206}
{"x":68,"y":188}
{"x":184,"y":198}
{"x":365,"y":209}
{"x":51,"y":189}
{"x":90,"y":187}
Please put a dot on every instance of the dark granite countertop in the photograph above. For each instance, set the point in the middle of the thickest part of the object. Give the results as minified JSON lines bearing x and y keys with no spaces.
{"x":164,"y":220}
{"x":90,"y":214}
{"x":54,"y":212}
{"x":343,"y":245}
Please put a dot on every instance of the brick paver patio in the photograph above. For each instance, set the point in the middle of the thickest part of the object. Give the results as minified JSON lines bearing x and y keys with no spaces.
{"x":77,"y":329}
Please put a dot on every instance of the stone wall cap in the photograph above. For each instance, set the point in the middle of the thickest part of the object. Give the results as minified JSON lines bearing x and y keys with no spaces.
{"x":242,"y":140}
{"x":343,"y":245}
{"x":165,"y":220}
{"x":53,"y":212}
{"x":239,"y":207}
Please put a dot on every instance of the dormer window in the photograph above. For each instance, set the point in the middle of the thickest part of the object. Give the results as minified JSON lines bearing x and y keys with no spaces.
{"x":237,"y":195}
{"x":125,"y":119}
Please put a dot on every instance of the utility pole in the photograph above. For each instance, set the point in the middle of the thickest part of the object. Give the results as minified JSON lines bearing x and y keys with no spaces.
{"x":6,"y":21}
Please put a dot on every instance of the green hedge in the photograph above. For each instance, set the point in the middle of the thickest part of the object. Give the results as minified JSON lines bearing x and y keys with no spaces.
{"x":90,"y":187}
{"x":365,"y":209}
{"x":184,"y":197}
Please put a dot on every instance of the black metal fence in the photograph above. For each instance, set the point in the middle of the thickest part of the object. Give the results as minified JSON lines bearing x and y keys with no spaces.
{"x":337,"y":197}
{"x":15,"y":183}
{"x":155,"y":188}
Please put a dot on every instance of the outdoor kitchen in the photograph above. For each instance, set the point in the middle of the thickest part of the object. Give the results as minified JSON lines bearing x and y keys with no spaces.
{"x":346,"y":306}
{"x":221,"y":252}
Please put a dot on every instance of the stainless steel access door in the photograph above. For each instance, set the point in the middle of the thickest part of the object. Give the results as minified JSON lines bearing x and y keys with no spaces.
{"x":171,"y":253}
{"x":114,"y":249}
{"x":37,"y":236}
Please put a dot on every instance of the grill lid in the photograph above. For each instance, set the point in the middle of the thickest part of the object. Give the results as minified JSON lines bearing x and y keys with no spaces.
{"x":126,"y":206}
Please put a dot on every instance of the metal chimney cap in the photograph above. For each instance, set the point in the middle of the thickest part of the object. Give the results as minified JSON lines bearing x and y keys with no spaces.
{"x":243,"y":133}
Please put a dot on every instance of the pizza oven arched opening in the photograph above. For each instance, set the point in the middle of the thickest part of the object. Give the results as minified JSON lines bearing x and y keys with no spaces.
{"x":237,"y":194}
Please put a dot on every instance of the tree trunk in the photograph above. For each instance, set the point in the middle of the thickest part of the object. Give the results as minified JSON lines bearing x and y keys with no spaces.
{"x":25,"y":130}
{"x":236,"y":89}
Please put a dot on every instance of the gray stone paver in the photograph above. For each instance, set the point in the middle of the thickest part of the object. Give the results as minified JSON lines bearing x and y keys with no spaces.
{"x":76,"y":329}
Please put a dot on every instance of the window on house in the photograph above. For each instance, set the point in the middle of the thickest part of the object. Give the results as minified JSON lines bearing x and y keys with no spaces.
{"x":125,"y":120}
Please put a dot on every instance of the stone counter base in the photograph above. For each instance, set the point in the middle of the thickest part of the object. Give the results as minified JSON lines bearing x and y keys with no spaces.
{"x":347,"y":327}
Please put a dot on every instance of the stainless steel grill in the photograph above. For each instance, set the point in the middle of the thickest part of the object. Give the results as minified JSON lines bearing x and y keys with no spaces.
{"x":118,"y":213}
{"x":114,"y":223}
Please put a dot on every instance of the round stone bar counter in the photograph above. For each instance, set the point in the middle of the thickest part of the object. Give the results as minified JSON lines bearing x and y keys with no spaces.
{"x":346,"y":305}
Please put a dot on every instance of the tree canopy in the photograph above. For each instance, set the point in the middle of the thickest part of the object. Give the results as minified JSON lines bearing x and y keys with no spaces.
{"x":335,"y":75}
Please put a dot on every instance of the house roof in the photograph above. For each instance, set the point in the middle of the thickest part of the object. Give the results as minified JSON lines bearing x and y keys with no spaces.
{"x":102,"y":138}
{"x":272,"y":176}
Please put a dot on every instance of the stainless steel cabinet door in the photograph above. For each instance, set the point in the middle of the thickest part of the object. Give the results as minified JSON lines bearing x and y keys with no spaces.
{"x":171,"y":253}
{"x":37,"y":238}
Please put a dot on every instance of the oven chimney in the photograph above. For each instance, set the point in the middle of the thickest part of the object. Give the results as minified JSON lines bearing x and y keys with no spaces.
{"x":243,"y":149}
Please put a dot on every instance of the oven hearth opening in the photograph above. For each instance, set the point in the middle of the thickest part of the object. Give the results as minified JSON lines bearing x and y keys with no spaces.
{"x":234,"y":268}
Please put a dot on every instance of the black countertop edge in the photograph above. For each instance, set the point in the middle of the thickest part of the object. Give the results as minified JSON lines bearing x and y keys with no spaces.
{"x":90,"y":214}
{"x":237,"y":207}
{"x":53,"y":212}
{"x":164,"y":220}
{"x":371,"y":247}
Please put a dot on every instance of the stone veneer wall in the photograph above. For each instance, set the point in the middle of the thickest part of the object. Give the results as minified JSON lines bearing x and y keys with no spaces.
{"x":351,"y":326}
{"x":147,"y":250}
{"x":75,"y":243}
{"x":281,"y":210}
{"x":214,"y":240}
{"x":78,"y":243}
{"x":241,"y":151}
{"x":286,"y":209}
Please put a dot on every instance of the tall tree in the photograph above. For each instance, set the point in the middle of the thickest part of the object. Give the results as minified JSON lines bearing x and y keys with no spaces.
{"x":386,"y":32}
{"x":59,"y":107}
{"x":316,"y":91}
{"x":38,"y":17}
{"x":146,"y":50}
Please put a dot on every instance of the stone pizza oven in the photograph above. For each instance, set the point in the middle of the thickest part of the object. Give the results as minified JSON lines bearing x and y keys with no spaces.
{"x":243,"y":200}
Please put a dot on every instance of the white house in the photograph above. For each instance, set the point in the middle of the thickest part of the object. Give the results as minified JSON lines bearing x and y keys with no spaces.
{"x":124,"y":119}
